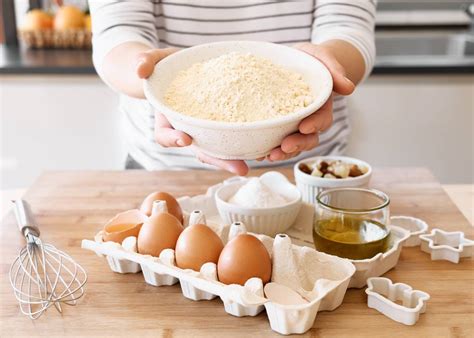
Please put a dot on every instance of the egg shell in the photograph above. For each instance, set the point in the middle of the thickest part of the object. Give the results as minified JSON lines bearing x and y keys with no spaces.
{"x":123,"y":225}
{"x":160,"y":232}
{"x":197,"y":245}
{"x":242,"y":258}
{"x":173,"y":206}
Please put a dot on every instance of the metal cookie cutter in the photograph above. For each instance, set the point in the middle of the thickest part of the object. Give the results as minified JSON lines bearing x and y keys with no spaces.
{"x":449,"y":246}
{"x":416,"y":227}
{"x":383,"y":294}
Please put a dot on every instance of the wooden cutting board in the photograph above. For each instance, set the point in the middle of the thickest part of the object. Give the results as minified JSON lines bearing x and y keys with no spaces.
{"x":71,"y":206}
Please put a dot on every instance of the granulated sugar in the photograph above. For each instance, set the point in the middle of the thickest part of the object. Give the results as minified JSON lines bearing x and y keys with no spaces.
{"x":237,"y":87}
{"x":255,"y":194}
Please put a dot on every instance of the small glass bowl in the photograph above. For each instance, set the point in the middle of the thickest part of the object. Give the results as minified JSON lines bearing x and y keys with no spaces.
{"x":352,"y":222}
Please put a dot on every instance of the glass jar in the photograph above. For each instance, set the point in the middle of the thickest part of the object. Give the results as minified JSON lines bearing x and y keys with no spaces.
{"x":352,"y":222}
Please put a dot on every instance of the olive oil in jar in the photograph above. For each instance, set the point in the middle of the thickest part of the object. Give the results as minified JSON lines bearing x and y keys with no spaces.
{"x":350,"y":237}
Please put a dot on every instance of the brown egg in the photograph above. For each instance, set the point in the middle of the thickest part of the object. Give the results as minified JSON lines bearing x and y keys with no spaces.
{"x":118,"y":232}
{"x":197,"y":245}
{"x":123,"y":225}
{"x":171,"y":203}
{"x":242,"y":258}
{"x":160,"y":232}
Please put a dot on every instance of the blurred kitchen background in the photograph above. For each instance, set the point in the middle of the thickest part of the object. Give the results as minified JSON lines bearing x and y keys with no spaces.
{"x":416,"y":109}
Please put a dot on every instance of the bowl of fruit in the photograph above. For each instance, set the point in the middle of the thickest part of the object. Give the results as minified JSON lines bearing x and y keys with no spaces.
{"x":68,"y":27}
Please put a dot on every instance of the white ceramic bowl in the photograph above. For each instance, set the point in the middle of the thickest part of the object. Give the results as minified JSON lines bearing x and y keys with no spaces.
{"x":238,"y":140}
{"x":268,"y":221}
{"x":311,"y":186}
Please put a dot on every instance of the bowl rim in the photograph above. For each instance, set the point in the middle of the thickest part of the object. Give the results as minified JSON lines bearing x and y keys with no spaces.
{"x":335,"y":157}
{"x":300,"y":114}
{"x":376,"y":192}
{"x":234,"y":207}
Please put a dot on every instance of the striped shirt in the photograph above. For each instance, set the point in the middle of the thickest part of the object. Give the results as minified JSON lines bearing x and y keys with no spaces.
{"x":185,"y":23}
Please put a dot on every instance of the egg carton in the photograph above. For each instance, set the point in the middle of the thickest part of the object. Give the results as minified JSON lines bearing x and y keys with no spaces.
{"x":116,"y":264}
{"x":323,"y":279}
{"x":301,"y":234}
{"x":381,"y":262}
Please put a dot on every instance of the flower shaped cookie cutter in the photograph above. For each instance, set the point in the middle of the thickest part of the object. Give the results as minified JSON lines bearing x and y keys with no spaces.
{"x":383,"y":295}
{"x":443,"y":245}
{"x":415,"y":225}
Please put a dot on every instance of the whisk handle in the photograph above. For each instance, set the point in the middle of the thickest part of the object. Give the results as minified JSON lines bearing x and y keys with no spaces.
{"x":25,"y":219}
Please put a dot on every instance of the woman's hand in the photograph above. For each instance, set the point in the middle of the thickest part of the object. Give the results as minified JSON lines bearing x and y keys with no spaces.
{"x":307,"y":136}
{"x":305,"y":139}
{"x":165,"y":134}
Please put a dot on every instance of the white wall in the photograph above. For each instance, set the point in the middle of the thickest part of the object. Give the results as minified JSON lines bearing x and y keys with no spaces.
{"x":72,"y":122}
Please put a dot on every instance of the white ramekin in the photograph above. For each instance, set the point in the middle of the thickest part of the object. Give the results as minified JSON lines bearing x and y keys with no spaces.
{"x":268,"y":221}
{"x":233,"y":140}
{"x":311,"y":186}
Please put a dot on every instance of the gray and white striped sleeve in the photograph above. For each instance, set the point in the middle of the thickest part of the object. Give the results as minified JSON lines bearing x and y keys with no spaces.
{"x":349,"y":20}
{"x":115,"y":22}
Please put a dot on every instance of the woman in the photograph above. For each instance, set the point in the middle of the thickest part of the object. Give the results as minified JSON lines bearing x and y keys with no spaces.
{"x":130,"y":37}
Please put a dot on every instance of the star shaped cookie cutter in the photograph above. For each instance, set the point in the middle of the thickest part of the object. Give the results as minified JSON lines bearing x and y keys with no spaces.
{"x":444,"y":245}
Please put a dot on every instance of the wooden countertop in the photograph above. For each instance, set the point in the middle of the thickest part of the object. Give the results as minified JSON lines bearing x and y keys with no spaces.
{"x":462,"y":196}
{"x":71,"y":206}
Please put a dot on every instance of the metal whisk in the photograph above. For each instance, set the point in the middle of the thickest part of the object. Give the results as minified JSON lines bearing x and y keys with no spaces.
{"x":41,"y":275}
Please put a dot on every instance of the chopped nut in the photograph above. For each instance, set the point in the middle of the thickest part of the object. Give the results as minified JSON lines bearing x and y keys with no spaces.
{"x":333,"y":169}
{"x":355,"y":171}
{"x":316,"y":173}
{"x":305,"y":168}
{"x":323,"y":166}
{"x":314,"y":165}
{"x":334,"y":174}
{"x":342,"y":170}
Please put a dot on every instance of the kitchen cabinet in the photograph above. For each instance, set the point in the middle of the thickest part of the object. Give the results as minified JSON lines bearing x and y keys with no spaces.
{"x":416,"y":120}
{"x":57,"y":123}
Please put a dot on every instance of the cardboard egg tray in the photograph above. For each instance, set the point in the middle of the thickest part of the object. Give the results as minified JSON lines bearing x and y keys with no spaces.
{"x":329,"y":276}
{"x":301,"y":234}
{"x":382,"y":262}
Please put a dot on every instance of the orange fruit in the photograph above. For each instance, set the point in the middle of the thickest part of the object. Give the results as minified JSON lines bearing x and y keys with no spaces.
{"x":37,"y":19}
{"x":88,"y":23}
{"x":69,"y":17}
